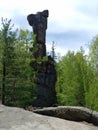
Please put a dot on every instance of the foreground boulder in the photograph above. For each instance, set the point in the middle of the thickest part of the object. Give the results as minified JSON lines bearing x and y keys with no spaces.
{"x":19,"y":119}
{"x":71,"y":113}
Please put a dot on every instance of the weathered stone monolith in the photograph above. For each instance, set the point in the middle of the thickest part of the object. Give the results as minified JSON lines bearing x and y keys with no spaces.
{"x":46,"y":73}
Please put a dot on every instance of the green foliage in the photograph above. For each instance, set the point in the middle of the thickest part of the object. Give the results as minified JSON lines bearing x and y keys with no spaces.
{"x":73,"y":79}
{"x":17,"y":77}
{"x":77,"y":82}
{"x":7,"y":38}
{"x":94,"y":51}
{"x":92,"y":94}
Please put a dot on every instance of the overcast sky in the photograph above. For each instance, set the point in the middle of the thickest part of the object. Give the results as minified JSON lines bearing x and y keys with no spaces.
{"x":71,"y":23}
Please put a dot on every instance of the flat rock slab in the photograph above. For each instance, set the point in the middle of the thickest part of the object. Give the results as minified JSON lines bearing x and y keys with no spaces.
{"x":19,"y":119}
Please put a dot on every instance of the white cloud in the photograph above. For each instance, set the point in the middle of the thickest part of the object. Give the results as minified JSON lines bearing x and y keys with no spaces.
{"x":65,"y":16}
{"x":58,"y":49}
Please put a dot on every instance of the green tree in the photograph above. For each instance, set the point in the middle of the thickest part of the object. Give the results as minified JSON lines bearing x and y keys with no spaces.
{"x":92,"y":94}
{"x":93,"y":54}
{"x":24,"y":73}
{"x":17,"y":76}
{"x":72,"y":80}
{"x":7,"y":40}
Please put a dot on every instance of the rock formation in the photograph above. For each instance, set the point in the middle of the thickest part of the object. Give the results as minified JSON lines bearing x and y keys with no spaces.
{"x":46,"y":73}
{"x":19,"y":119}
{"x":71,"y":113}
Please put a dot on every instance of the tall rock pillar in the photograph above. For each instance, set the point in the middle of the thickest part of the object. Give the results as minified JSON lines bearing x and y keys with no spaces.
{"x":46,"y":73}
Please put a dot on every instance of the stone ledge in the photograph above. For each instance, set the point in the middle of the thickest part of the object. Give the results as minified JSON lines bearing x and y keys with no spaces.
{"x":12,"y":118}
{"x":71,"y":113}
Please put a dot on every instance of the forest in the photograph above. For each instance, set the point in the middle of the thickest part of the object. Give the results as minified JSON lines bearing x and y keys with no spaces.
{"x":77,"y":73}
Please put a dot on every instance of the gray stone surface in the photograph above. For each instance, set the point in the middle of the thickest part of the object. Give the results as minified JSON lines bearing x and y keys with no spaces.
{"x":71,"y":113}
{"x":19,"y":119}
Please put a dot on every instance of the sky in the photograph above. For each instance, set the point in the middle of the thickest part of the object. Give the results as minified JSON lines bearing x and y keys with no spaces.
{"x":71,"y":23}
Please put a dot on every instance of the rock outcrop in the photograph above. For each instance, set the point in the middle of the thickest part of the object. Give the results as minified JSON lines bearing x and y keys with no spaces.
{"x":71,"y":113}
{"x":19,"y":119}
{"x":43,"y":65}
